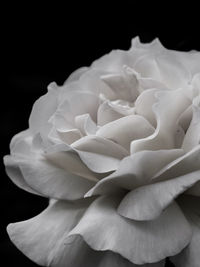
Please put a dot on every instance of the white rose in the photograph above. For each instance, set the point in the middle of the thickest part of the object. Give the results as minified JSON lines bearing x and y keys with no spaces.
{"x":118,"y":148}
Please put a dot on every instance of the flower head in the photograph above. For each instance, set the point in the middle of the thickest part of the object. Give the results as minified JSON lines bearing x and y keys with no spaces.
{"x":118,"y":149}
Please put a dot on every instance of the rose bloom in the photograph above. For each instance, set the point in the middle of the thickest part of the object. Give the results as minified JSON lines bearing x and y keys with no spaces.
{"x":116,"y":149}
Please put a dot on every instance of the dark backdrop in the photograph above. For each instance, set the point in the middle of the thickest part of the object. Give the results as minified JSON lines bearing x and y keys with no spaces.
{"x":44,"y":44}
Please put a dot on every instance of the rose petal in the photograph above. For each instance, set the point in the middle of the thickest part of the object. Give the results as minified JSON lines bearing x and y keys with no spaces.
{"x":190,"y":255}
{"x":144,"y":103}
{"x":15,"y":174}
{"x":67,"y":158}
{"x":106,"y":113}
{"x":124,"y":86}
{"x":42,"y":237}
{"x":69,"y":136}
{"x":147,"y":202}
{"x":135,"y":171}
{"x":192,"y":137}
{"x":147,"y":66}
{"x":184,"y":164}
{"x":126,"y":129}
{"x":85,"y":124}
{"x":167,"y":131}
{"x":140,"y":242}
{"x":172,"y":71}
{"x":99,"y":154}
{"x":48,"y":180}
{"x":74,"y":76}
{"x":42,"y":110}
{"x":185,"y":118}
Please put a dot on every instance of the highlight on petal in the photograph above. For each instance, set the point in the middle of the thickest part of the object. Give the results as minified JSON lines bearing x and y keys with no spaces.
{"x":149,"y":201}
{"x":15,"y":174}
{"x":192,"y":137}
{"x":168,"y":131}
{"x":104,"y":229}
{"x":106,"y":113}
{"x":42,"y":110}
{"x":125,"y":130}
{"x":135,"y":170}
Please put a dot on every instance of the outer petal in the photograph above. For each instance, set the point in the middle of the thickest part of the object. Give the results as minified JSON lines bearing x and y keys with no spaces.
{"x":42,"y":110}
{"x":44,"y":239}
{"x":46,"y":179}
{"x":15,"y":174}
{"x":147,"y":202}
{"x":140,"y":242}
{"x":189,"y":257}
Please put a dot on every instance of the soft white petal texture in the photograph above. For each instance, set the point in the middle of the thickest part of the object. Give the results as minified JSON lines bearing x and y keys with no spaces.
{"x":49,"y":180}
{"x":192,"y":137}
{"x":85,"y":124}
{"x":106,"y":113}
{"x":44,"y":239}
{"x":140,"y":242}
{"x":123,"y":85}
{"x":168,"y":131}
{"x":185,"y":118}
{"x":144,"y":103}
{"x":126,"y":129}
{"x":189,"y":257}
{"x":172,"y":71}
{"x":18,"y":137}
{"x":69,"y":136}
{"x":15,"y":174}
{"x":148,"y":202}
{"x":186,"y":163}
{"x":136,"y":170}
{"x":75,"y":104}
{"x":42,"y":110}
{"x":67,"y":158}
{"x":76,"y":74}
{"x":113,"y":62}
{"x":99,"y":154}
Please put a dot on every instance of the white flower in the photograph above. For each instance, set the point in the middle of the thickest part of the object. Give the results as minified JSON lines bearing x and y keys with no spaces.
{"x":118,"y":148}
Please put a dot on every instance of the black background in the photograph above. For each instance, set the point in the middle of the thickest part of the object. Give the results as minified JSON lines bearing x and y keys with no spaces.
{"x":46,"y":43}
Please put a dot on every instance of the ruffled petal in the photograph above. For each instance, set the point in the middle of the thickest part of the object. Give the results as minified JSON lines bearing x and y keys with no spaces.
{"x":136,"y":170}
{"x":15,"y":174}
{"x":99,"y":154}
{"x":168,"y":131}
{"x":189,"y":257}
{"x":192,"y":137}
{"x":148,"y":202}
{"x":189,"y":162}
{"x":42,"y":237}
{"x":140,"y":242}
{"x":85,"y":124}
{"x":42,"y":110}
{"x":144,"y":103}
{"x":126,"y":129}
{"x":106,"y":113}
